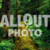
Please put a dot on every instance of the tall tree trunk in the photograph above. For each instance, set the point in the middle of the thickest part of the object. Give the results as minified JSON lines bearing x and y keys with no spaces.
{"x":17,"y":12}
{"x":6,"y":8}
{"x":10,"y":8}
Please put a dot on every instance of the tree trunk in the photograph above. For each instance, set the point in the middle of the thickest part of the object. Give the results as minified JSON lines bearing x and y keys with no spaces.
{"x":6,"y":8}
{"x":17,"y":12}
{"x":10,"y":8}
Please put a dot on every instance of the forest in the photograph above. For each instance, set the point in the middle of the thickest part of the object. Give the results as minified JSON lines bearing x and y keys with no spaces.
{"x":22,"y":7}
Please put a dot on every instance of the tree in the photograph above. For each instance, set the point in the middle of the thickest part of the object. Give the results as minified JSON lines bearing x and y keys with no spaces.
{"x":6,"y":8}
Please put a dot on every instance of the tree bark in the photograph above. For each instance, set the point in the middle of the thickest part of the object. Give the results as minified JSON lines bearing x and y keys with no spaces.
{"x":6,"y":8}
{"x":17,"y":12}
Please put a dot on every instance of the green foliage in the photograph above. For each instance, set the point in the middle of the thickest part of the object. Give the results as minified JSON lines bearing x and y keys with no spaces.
{"x":6,"y":45}
{"x":0,"y":4}
{"x":14,"y":7}
{"x":44,"y":39}
{"x":32,"y":7}
{"x":45,"y":7}
{"x":2,"y":35}
{"x":2,"y":32}
{"x":0,"y":0}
